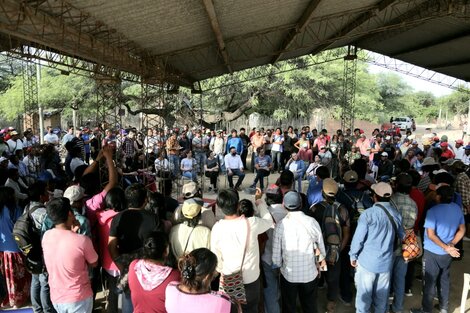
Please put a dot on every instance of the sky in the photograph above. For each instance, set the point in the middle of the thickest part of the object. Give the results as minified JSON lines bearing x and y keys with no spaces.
{"x":416,"y":83}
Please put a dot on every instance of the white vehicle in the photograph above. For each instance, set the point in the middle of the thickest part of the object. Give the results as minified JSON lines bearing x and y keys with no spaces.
{"x":404,"y":123}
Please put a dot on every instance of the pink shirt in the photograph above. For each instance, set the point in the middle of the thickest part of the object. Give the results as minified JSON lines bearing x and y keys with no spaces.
{"x":67,"y":256}
{"x":104,"y":219}
{"x":177,"y":301}
{"x":319,"y":142}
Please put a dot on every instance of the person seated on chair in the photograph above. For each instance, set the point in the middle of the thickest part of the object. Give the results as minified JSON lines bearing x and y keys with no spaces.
{"x":263,"y":165}
{"x":211,"y":170}
{"x":162,"y":165}
{"x":234,"y":166}
{"x":296,"y":166}
{"x":188,"y":166}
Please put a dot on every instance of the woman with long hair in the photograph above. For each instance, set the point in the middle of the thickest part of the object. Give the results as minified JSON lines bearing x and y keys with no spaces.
{"x":115,"y":201}
{"x":149,"y":276}
{"x":193,"y":294}
{"x":12,"y":268}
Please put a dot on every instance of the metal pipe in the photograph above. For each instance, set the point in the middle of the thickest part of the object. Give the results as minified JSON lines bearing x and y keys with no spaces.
{"x":40,"y":112}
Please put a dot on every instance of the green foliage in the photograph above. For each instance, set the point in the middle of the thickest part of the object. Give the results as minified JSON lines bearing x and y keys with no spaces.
{"x":293,"y":93}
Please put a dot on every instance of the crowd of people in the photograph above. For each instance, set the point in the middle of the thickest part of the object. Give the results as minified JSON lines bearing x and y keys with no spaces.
{"x":121,"y":211}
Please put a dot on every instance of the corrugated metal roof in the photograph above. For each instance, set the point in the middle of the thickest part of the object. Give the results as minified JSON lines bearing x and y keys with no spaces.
{"x":180,"y":36}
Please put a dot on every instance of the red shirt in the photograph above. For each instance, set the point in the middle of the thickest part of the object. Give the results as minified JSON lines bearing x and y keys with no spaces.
{"x":448,"y":154}
{"x":418,"y":197}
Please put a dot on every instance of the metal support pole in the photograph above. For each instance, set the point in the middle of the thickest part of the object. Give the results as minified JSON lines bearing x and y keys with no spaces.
{"x":468,"y":120}
{"x":349,"y":89}
{"x":108,"y":111}
{"x":30,"y":94}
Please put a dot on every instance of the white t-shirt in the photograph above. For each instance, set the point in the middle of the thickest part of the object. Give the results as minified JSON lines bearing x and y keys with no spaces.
{"x":51,"y":138}
{"x":15,"y":145}
{"x":276,"y":146}
{"x":228,"y":240}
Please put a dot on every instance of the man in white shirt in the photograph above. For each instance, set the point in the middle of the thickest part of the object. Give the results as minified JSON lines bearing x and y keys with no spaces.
{"x":217,"y":145}
{"x":50,"y":137}
{"x":229,"y":242}
{"x":67,"y":137}
{"x":234,"y":166}
{"x":459,"y":149}
{"x":296,"y":242}
{"x":14,"y":143}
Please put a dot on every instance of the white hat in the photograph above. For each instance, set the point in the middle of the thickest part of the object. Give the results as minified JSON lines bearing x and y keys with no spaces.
{"x":74,"y":193}
{"x":384,"y":154}
{"x":382,"y":189}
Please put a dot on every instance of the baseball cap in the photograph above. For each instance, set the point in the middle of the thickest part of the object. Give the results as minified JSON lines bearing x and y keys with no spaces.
{"x":404,"y":179}
{"x":467,"y":147}
{"x":13,"y":133}
{"x":2,"y":159}
{"x":74,"y":193}
{"x":458,"y":165}
{"x":330,"y":187}
{"x":384,"y":154}
{"x":444,"y":144}
{"x":350,"y":177}
{"x":189,"y":190}
{"x":190,"y":209}
{"x":444,"y":138}
{"x":414,"y":142}
{"x":292,"y":200}
{"x":381,"y":189}
{"x":429,"y":161}
{"x":459,"y":141}
{"x":388,"y":138}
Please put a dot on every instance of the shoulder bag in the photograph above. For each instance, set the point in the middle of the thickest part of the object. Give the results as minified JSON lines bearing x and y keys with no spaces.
{"x":232,"y":284}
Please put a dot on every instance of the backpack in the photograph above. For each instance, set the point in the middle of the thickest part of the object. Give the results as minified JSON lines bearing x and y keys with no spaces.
{"x":332,"y":232}
{"x":357,"y":206}
{"x":28,"y":240}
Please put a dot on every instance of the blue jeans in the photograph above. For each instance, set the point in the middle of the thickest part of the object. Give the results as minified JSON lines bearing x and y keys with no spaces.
{"x":298,"y":178}
{"x":191,"y":175}
{"x":201,"y":160}
{"x":235,"y":172}
{"x":398,"y":283}
{"x":436,"y":272}
{"x":260,"y":175}
{"x":372,"y":290}
{"x":174,"y":164}
{"x":271,"y":290}
{"x":84,"y":306}
{"x":276,"y":157}
{"x":220,"y":157}
{"x":127,"y":306}
{"x":40,"y":294}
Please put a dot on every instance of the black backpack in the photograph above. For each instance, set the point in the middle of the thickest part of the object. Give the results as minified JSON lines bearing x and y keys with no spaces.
{"x":28,"y":240}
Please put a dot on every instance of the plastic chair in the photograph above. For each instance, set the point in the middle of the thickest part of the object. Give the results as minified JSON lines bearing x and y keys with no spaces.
{"x":466,"y":288}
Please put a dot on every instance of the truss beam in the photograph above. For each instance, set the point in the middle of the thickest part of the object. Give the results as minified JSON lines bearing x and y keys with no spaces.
{"x":30,"y":94}
{"x":355,"y":24}
{"x":210,"y":10}
{"x":413,"y":70}
{"x":61,"y":27}
{"x":423,"y":12}
{"x":302,"y":23}
{"x":349,"y":89}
